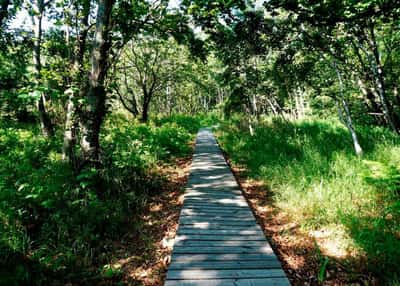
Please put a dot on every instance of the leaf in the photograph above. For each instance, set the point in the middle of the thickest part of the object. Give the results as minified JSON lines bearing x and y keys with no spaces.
{"x":322,"y":269}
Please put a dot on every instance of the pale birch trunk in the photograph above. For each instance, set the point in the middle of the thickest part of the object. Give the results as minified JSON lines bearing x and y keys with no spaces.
{"x":346,"y":119}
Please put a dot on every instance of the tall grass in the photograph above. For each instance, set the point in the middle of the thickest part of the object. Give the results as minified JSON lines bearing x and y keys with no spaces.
{"x":317,"y":180}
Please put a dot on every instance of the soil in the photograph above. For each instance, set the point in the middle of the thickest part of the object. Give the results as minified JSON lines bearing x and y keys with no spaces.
{"x":142,"y":257}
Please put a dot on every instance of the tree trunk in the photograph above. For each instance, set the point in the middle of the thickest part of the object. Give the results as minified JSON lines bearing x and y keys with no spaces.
{"x":44,"y":119}
{"x":347,"y":120}
{"x":274,"y":111}
{"x":380,"y":82}
{"x":370,"y":101}
{"x":94,"y":109}
{"x":70,"y":131}
{"x":145,"y":107}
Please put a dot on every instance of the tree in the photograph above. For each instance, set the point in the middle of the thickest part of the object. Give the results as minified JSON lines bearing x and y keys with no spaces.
{"x":77,"y":86}
{"x":93,"y":110}
{"x":38,"y":10}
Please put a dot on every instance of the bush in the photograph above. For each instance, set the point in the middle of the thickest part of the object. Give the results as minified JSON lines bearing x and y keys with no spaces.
{"x":190,"y":123}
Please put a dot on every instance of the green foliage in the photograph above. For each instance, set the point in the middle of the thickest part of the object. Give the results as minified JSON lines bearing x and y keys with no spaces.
{"x":54,"y":224}
{"x":190,"y":123}
{"x":316,"y":179}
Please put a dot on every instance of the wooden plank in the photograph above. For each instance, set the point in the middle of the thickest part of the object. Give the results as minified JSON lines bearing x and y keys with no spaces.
{"x":240,"y":264}
{"x":220,"y":232}
{"x":214,"y":193}
{"x":219,"y":237}
{"x":223,"y":249}
{"x":215,"y":189}
{"x":220,"y":243}
{"x":199,"y":184}
{"x":213,"y":196}
{"x":231,"y":202}
{"x":231,"y":282}
{"x":212,"y":223}
{"x":216,"y":206}
{"x":215,"y":219}
{"x":227,"y":209}
{"x":222,"y":209}
{"x":236,"y":227}
{"x":212,"y":213}
{"x":220,"y":168}
{"x":236,"y":203}
{"x":221,"y":257}
{"x":218,"y":227}
{"x":213,"y":186}
{"x":219,"y":209}
{"x":224,"y":274}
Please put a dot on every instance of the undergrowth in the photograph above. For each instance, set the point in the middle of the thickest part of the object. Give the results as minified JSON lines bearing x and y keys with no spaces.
{"x":56,"y":226}
{"x":316,"y":179}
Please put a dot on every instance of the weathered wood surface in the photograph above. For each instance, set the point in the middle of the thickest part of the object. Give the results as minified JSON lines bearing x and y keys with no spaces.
{"x":218,"y":242}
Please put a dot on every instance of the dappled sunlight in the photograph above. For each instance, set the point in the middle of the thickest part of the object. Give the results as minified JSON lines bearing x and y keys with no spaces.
{"x":333,"y":242}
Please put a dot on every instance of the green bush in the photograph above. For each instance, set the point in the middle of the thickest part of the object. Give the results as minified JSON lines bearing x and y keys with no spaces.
{"x":190,"y":123}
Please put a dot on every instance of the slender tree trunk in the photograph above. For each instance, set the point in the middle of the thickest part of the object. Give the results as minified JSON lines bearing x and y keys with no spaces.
{"x":133,"y":101}
{"x":145,"y":113}
{"x":94,"y":109}
{"x":169,"y":100}
{"x":146,"y":104}
{"x":369,"y":95}
{"x":70,"y":130}
{"x":380,"y":83}
{"x":299,"y":103}
{"x":274,"y":111}
{"x":347,"y":120}
{"x":254,"y":105}
{"x":44,"y":119}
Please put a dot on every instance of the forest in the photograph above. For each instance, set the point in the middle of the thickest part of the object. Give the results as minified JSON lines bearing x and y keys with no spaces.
{"x":101,"y":100}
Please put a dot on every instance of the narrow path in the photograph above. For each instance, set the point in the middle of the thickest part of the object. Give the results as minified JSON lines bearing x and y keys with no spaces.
{"x":218,"y":240}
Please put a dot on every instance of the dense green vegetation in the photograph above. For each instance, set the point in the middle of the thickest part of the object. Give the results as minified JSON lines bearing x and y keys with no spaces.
{"x":96,"y":96}
{"x":56,"y":224}
{"x":315,"y":178}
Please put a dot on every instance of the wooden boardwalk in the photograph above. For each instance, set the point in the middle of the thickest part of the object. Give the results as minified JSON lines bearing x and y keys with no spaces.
{"x":218,"y":240}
